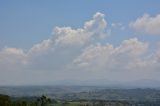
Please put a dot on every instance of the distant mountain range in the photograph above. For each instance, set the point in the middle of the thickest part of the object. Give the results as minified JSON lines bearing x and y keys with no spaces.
{"x":144,"y":83}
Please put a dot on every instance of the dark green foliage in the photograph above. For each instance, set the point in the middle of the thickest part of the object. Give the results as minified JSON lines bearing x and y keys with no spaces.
{"x":41,"y":101}
{"x":5,"y":100}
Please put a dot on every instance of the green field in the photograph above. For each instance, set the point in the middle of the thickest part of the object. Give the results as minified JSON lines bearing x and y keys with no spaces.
{"x":72,"y":103}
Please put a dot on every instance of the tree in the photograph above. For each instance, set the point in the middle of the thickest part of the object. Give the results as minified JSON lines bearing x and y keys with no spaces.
{"x":5,"y":100}
{"x":43,"y":101}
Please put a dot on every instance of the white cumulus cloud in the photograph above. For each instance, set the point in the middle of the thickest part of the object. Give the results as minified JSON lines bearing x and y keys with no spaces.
{"x":109,"y":58}
{"x":147,"y":24}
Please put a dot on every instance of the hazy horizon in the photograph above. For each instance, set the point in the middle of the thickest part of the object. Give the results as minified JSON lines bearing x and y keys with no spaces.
{"x":80,"y":42}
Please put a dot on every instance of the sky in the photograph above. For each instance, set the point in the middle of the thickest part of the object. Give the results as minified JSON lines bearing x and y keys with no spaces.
{"x":51,"y":41}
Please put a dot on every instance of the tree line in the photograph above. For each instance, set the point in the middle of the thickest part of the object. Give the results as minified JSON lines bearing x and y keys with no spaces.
{"x":6,"y":100}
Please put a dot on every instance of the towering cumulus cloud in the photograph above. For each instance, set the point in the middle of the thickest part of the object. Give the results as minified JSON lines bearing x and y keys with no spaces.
{"x":92,"y":29}
{"x":79,"y":54}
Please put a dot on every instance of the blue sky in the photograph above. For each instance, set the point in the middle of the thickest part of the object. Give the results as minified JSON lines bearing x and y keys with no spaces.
{"x":55,"y":40}
{"x":24,"y":23}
